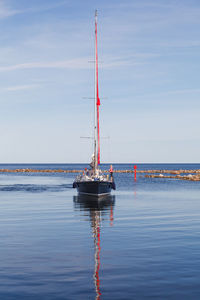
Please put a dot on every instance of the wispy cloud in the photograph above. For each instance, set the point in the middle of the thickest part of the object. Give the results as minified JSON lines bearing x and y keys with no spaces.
{"x":6,"y":11}
{"x":124,"y":61}
{"x":183,"y":91}
{"x":180,"y":95}
{"x":43,"y":8}
{"x":144,"y":4}
{"x":79,"y":63}
{"x":65,"y":64}
{"x":20,"y":87}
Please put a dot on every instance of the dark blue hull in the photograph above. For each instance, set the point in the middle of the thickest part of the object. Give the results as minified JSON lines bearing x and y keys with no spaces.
{"x":94,"y":188}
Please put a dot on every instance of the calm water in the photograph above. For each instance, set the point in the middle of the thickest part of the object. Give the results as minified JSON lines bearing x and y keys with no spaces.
{"x":143,"y":242}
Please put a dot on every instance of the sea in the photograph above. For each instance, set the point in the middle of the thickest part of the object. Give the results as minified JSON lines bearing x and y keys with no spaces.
{"x":141,"y":242}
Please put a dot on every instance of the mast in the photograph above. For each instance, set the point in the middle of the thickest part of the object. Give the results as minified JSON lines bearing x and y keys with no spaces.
{"x":96,"y":105}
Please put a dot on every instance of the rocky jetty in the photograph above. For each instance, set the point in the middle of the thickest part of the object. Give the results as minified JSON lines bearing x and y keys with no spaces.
{"x":38,"y":171}
{"x":193,"y":175}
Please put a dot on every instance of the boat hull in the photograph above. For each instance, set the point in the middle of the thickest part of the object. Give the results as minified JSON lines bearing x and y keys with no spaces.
{"x":94,"y":188}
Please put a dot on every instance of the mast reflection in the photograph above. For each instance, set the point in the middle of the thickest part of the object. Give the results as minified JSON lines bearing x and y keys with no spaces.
{"x":98,"y":210}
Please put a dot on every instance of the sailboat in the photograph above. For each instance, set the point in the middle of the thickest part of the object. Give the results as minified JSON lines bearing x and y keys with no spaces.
{"x":93,"y":181}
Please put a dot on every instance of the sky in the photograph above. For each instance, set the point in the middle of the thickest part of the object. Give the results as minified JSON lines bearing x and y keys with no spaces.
{"x":149,"y":65}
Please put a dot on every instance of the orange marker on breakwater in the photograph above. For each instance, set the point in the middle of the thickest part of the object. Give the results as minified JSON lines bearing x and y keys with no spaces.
{"x":135,"y":168}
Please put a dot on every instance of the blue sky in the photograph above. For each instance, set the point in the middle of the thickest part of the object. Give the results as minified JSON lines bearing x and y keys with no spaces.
{"x":149,"y":79}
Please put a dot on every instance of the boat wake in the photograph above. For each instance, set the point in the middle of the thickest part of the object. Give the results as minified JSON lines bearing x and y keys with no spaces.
{"x":34,"y":188}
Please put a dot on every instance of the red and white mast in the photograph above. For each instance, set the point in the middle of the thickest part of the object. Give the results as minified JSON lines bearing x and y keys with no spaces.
{"x":96,"y":104}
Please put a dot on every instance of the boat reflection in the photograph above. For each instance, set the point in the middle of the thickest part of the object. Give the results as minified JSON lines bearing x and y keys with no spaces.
{"x":98,"y":210}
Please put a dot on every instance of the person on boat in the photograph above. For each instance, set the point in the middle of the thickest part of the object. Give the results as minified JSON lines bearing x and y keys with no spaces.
{"x":111,"y":172}
{"x":87,"y":172}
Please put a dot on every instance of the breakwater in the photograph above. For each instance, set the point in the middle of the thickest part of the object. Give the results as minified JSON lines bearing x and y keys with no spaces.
{"x":192,"y":174}
{"x":191,"y":177}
